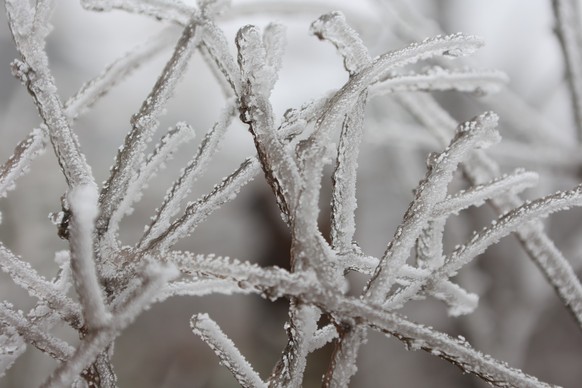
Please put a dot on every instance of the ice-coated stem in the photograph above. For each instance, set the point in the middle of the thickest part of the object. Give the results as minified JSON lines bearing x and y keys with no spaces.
{"x":181,"y":187}
{"x":226,"y":351}
{"x":475,"y":133}
{"x":35,"y":335}
{"x":171,"y":10}
{"x":477,"y":195}
{"x":179,"y":135}
{"x":258,"y":78}
{"x":129,"y":306}
{"x":144,"y":123}
{"x":301,"y":328}
{"x":18,"y":164}
{"x":34,"y":73}
{"x":197,"y":211}
{"x":83,"y":206}
{"x":479,"y":169}
{"x":568,"y":29}
{"x":344,"y":202}
{"x":25,"y":276}
{"x":96,"y":88}
{"x":479,"y":82}
{"x":276,"y":283}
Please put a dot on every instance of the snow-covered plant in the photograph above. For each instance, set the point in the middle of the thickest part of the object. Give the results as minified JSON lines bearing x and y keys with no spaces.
{"x":114,"y":282}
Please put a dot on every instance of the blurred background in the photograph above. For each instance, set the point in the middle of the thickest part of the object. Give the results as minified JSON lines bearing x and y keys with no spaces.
{"x":519,"y":319}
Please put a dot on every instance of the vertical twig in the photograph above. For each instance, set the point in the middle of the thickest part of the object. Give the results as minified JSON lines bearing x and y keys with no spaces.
{"x":34,"y":73}
{"x":83,"y":206}
{"x":568,"y":29}
{"x":144,"y":124}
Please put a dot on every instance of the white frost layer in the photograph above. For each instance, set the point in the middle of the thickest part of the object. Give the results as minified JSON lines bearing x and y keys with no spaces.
{"x":83,"y":202}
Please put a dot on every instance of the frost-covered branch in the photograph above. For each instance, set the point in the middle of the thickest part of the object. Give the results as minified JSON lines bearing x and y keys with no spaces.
{"x":89,"y":93}
{"x":83,"y":206}
{"x":24,"y":275}
{"x":19,"y":163}
{"x":131,"y":303}
{"x":477,"y":195}
{"x":33,"y":334}
{"x":258,"y":79}
{"x":175,"y":137}
{"x":480,"y":82}
{"x":477,"y":133}
{"x":480,"y":169}
{"x":144,"y":124}
{"x":115,"y":283}
{"x":197,"y":211}
{"x":96,"y":88}
{"x":12,"y":346}
{"x":181,"y":187}
{"x":34,"y":73}
{"x":226,"y":351}
{"x":174,"y":10}
{"x":411,"y":25}
{"x":510,"y":222}
{"x":276,"y":283}
{"x":569,"y":31}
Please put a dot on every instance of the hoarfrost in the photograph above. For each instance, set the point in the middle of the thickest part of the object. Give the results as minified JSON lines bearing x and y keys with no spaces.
{"x":115,"y":283}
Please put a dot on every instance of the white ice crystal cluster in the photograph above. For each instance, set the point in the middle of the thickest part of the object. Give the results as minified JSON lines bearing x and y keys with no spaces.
{"x":103,"y":284}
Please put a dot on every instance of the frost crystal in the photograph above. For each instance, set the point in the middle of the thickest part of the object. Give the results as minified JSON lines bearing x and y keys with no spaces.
{"x":114,"y":281}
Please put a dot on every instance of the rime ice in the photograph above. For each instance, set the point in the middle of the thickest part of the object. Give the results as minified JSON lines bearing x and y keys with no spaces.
{"x":115,"y":282}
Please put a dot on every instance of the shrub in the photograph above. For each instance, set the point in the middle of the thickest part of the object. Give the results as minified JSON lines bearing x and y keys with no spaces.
{"x":115,"y":281}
